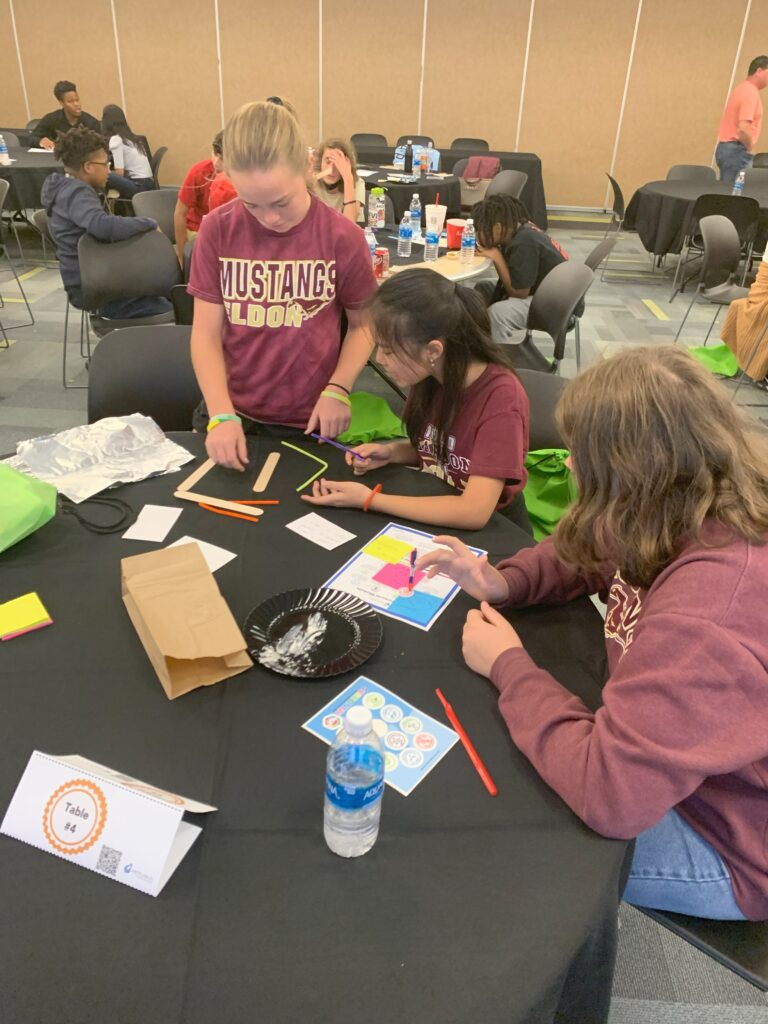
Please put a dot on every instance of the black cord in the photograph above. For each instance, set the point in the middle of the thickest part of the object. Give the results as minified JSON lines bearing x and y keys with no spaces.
{"x":123,"y":511}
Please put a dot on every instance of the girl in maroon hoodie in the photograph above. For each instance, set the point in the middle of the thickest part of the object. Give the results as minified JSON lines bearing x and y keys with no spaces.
{"x":670,"y":526}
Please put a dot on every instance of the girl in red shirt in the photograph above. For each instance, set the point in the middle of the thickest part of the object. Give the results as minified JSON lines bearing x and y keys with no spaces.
{"x":466,"y":414}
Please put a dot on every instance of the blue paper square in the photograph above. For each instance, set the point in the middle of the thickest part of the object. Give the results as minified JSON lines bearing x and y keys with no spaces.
{"x":419,"y":607}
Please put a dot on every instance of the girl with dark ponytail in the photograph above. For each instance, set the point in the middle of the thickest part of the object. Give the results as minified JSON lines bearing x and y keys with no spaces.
{"x":466,"y":413}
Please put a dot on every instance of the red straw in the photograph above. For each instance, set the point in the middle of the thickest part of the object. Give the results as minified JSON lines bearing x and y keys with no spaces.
{"x":437,"y":198}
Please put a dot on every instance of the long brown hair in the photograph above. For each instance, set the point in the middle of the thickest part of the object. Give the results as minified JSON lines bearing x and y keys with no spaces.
{"x":345,"y":146}
{"x":657,"y":448}
{"x":418,"y":306}
{"x":260,"y":135}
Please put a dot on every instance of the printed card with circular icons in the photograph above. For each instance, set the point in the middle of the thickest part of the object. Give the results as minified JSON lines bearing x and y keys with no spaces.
{"x":413,"y":742}
{"x":98,"y":818}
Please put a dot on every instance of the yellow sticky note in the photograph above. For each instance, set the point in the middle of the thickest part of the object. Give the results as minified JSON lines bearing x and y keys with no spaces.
{"x":22,"y":613}
{"x":388,"y":550}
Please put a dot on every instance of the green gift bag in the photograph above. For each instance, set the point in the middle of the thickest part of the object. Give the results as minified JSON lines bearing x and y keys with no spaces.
{"x":25,"y":505}
{"x":372,"y":420}
{"x":549,"y":491}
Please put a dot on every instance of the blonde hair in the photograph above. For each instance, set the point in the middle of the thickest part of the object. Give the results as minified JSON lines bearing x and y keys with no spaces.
{"x":346,"y":148}
{"x":657,"y":449}
{"x":260,"y":135}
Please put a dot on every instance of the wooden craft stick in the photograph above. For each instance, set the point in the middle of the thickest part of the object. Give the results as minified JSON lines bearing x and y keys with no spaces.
{"x":262,"y":480}
{"x":198,"y":474}
{"x":232,"y":506}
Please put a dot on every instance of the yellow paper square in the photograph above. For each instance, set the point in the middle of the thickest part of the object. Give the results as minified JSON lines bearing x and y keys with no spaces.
{"x":21,"y":613}
{"x":388,"y":550}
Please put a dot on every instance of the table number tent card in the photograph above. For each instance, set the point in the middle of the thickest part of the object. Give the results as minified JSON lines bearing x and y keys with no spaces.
{"x":98,"y":818}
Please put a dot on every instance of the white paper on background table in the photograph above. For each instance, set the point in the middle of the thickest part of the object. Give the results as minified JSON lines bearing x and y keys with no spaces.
{"x":362,"y":173}
{"x":413,"y":742}
{"x":100,"y":819}
{"x":214,"y":556}
{"x":154,"y":522}
{"x":37,"y":149}
{"x":321,"y":531}
{"x":378,"y":574}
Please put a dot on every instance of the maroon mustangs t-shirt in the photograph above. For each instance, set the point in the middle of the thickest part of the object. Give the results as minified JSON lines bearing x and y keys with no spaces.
{"x":488,"y":437}
{"x":283,"y":294}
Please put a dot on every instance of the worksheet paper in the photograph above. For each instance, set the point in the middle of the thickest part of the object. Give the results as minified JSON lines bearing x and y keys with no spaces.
{"x":154,"y":522}
{"x":378,"y":574}
{"x":413,"y":742}
{"x":321,"y":531}
{"x":215,"y":557}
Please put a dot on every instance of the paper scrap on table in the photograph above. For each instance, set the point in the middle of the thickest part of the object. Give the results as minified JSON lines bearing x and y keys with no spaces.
{"x":22,"y":615}
{"x":154,"y":522}
{"x":362,"y":173}
{"x":320,"y":531}
{"x":214,"y":556}
{"x":38,"y":149}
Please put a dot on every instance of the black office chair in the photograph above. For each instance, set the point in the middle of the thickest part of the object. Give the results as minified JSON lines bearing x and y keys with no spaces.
{"x":744,"y":214}
{"x":507,"y":182}
{"x":368,"y":139}
{"x":756,"y":176}
{"x":154,"y":163}
{"x":31,"y":125}
{"x":189,"y":250}
{"x":471,"y":145}
{"x":4,"y":188}
{"x":11,"y":140}
{"x":760,"y":160}
{"x":544,"y":391}
{"x":552,"y":311}
{"x":417,"y":140}
{"x":691,"y":172}
{"x":721,"y":255}
{"x":460,"y":166}
{"x":146,"y":370}
{"x":600,"y":252}
{"x":160,"y":204}
{"x":183,"y":305}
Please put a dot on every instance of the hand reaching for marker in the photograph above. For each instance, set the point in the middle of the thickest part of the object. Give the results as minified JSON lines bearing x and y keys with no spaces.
{"x":474,"y":575}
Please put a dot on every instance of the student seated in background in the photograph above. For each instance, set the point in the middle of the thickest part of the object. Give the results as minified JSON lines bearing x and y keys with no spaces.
{"x":670,"y":524}
{"x":130,"y":155}
{"x":192,"y":204}
{"x":69,"y":115}
{"x":466,"y":414}
{"x":522,"y":255}
{"x":337,"y":184}
{"x":746,"y":324}
{"x":74,"y":210}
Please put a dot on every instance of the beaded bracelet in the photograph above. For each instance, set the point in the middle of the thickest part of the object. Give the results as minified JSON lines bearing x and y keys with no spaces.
{"x":337,"y":396}
{"x":222,"y":417}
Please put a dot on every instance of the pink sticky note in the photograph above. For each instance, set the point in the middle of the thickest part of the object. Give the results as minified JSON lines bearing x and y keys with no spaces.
{"x":396,"y":576}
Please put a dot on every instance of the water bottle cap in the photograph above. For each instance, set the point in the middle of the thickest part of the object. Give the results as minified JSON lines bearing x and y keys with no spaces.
{"x":358,"y":721}
{"x":470,"y":222}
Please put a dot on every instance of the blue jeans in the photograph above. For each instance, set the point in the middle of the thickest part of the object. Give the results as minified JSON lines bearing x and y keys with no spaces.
{"x":128,"y":187}
{"x":673,"y":868}
{"x":731,"y":157}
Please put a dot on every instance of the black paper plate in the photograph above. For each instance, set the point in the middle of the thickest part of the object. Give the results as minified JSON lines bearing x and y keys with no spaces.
{"x":312,"y":634}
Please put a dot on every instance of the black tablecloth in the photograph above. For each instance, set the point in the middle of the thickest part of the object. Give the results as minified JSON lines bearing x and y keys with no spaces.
{"x":659,"y":211}
{"x":26,"y":176}
{"x":529,"y":163}
{"x":469,"y":909}
{"x":401,"y":194}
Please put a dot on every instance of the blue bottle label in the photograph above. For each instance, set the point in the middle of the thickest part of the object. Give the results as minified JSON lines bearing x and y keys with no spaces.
{"x":353,"y":798}
{"x":431,"y":238}
{"x":406,"y":232}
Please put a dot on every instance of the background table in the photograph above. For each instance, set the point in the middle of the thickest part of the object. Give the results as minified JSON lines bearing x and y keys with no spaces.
{"x":469,"y":908}
{"x":660,"y":210}
{"x":26,"y":176}
{"x":428,"y":188}
{"x":529,"y":163}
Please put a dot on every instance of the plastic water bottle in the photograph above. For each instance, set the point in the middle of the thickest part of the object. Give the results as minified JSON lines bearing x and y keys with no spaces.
{"x":405,"y":236}
{"x":377,"y":210}
{"x":431,"y":241}
{"x":371,"y":240}
{"x":468,"y":242}
{"x":738,"y":185}
{"x":5,"y":158}
{"x":408,"y":162}
{"x":354,"y":786}
{"x":426,"y":159}
{"x":415,"y":211}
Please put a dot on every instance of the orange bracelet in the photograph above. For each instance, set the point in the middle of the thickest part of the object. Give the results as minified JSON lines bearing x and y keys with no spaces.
{"x":371,"y":496}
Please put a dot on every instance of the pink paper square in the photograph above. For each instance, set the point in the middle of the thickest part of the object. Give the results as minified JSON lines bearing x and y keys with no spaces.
{"x":396,"y":576}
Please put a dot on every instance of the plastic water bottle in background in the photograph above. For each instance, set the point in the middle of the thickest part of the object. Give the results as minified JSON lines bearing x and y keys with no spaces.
{"x":426,"y":159}
{"x":405,"y":236}
{"x":738,"y":185}
{"x":354,"y":786}
{"x":415,"y":211}
{"x":431,"y":241}
{"x":408,"y":162}
{"x":468,"y":242}
{"x":371,"y":240}
{"x":4,"y":155}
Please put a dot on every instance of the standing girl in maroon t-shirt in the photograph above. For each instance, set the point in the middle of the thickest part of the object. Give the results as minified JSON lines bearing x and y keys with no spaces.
{"x":272,"y":274}
{"x":466,"y":414}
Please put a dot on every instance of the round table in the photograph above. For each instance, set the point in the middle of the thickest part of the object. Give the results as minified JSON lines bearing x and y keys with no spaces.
{"x":449,"y":265}
{"x":401,"y":193}
{"x":26,"y":176}
{"x":469,"y":908}
{"x":659,"y":211}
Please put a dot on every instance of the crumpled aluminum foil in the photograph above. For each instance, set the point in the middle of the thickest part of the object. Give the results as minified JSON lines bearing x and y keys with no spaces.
{"x":83,"y":461}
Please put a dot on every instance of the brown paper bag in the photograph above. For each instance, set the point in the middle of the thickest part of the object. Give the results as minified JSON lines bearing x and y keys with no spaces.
{"x":182,"y":620}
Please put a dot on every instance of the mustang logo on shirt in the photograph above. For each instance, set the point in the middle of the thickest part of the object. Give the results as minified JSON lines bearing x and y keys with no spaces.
{"x":624,"y":606}
{"x":275,"y":293}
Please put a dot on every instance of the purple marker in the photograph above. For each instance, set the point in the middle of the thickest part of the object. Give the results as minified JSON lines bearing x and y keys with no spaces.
{"x":337,"y":444}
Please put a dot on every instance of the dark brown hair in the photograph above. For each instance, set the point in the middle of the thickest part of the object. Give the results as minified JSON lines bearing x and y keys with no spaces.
{"x":657,"y":448}
{"x":418,"y":306}
{"x":75,"y":146}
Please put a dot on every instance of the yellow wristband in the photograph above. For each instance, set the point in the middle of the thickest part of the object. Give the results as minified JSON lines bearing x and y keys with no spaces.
{"x":337,"y":396}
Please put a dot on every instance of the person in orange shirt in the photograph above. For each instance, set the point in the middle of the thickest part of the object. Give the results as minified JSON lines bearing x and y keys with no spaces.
{"x":741,"y":121}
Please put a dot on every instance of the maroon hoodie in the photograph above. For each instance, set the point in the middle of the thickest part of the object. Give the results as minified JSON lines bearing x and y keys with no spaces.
{"x":684,"y":721}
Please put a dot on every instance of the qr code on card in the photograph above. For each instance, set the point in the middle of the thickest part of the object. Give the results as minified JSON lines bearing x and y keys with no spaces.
{"x":109,"y":860}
